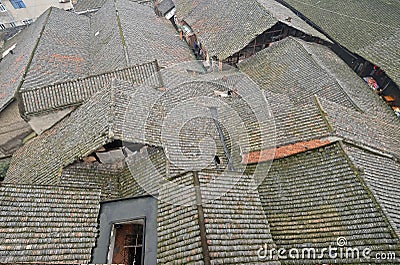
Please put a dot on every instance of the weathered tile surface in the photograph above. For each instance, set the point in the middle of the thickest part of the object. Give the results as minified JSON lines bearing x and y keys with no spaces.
{"x":47,"y":223}
{"x":374,"y":35}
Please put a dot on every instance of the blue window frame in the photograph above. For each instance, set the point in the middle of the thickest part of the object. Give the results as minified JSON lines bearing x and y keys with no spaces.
{"x":17,"y":4}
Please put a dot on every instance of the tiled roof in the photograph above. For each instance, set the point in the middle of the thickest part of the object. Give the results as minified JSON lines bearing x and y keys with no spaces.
{"x":41,"y":160}
{"x":283,"y":151}
{"x":88,"y":5}
{"x":93,"y":176}
{"x":287,"y":67}
{"x":225,"y":27}
{"x":106,"y":46}
{"x":47,"y":223}
{"x":100,"y":120}
{"x":300,"y":70}
{"x":311,"y":199}
{"x":75,"y":92}
{"x":365,"y":33}
{"x":299,"y":124}
{"x":116,"y":113}
{"x":147,"y":37}
{"x":382,"y":175}
{"x":85,"y":6}
{"x":49,"y":53}
{"x":62,"y":51}
{"x":147,"y":170}
{"x":12,"y":67}
{"x":182,"y":222}
{"x":235,"y":225}
{"x":362,"y":128}
{"x":165,"y":6}
{"x":286,"y":16}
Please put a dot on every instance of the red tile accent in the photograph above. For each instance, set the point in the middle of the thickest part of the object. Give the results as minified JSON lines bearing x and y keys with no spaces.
{"x":282,"y":151}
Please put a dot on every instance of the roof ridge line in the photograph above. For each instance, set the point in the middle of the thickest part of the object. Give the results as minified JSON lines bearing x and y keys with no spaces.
{"x":111,"y":120}
{"x":121,"y":33}
{"x":371,"y":194}
{"x":323,"y":113}
{"x":19,"y":184}
{"x":329,"y":73}
{"x":17,"y":93}
{"x":89,"y":76}
{"x":370,"y":149}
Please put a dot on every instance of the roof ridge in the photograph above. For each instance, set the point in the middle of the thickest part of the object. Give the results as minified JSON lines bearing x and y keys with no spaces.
{"x":73,"y":92}
{"x":377,"y":121}
{"x":303,"y":45}
{"x":121,"y":33}
{"x":23,"y":184}
{"x":358,"y":172}
{"x":17,"y":93}
{"x":134,"y":66}
{"x":323,"y":113}
{"x":372,"y":150}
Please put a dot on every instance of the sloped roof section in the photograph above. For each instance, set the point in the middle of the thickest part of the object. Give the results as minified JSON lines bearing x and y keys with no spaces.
{"x":225,"y":27}
{"x":382,"y":175}
{"x":181,"y":221}
{"x":106,"y":46}
{"x":47,"y":223}
{"x":286,"y":16}
{"x":313,"y":198}
{"x":300,"y":124}
{"x":93,"y":176}
{"x":148,"y":37}
{"x":12,"y":67}
{"x":368,"y":28}
{"x":62,"y":51}
{"x":75,"y":92}
{"x":41,"y":161}
{"x":234,"y":222}
{"x":120,"y":35}
{"x":362,"y":128}
{"x":83,"y":6}
{"x":235,"y":214}
{"x":300,"y":70}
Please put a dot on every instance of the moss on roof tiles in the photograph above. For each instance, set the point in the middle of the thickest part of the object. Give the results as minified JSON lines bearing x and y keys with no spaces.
{"x":314,"y":197}
{"x":47,"y":223}
{"x":368,"y":28}
{"x":299,"y":70}
{"x":4,"y":164}
{"x":225,"y":27}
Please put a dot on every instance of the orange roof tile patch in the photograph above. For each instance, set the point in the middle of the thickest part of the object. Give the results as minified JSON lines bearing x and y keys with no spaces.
{"x":282,"y":151}
{"x":68,"y":58}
